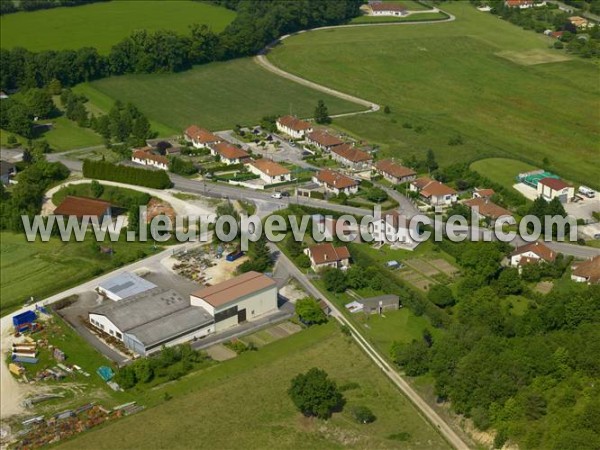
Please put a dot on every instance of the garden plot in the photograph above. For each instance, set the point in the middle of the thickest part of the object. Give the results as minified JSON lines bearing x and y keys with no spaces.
{"x":444,"y":266}
{"x":423,"y":267}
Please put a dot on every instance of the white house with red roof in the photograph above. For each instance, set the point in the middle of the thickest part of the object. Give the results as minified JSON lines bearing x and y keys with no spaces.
{"x":378,"y":8}
{"x":394,"y":172}
{"x":229,"y":153}
{"x":269,"y":171}
{"x":200,"y":137}
{"x":294,"y":127}
{"x":434,"y":192}
{"x":350,"y":156}
{"x":551,"y":188}
{"x":335,"y":182}
{"x":145,"y":157}
{"x":534,"y":252}
{"x":326,"y":255}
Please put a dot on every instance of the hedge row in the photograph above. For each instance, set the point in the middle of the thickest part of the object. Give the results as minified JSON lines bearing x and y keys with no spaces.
{"x":102,"y":170}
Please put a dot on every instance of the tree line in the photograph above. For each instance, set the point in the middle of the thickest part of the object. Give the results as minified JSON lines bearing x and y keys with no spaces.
{"x":258,"y":23}
{"x":102,"y":170}
{"x":10,"y":6}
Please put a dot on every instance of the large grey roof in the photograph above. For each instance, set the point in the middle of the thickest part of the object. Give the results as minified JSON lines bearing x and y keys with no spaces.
{"x":373,"y":302}
{"x":126,"y":284}
{"x":166,"y":328}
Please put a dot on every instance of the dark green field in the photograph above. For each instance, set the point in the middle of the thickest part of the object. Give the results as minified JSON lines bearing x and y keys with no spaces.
{"x":498,"y":87}
{"x":101,"y":25}
{"x":216,"y":96}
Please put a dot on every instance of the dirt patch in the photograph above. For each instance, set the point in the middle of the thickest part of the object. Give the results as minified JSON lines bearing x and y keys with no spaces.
{"x":544,"y":287}
{"x":444,"y":266}
{"x":158,"y":207}
{"x":534,"y":56}
{"x":290,"y":328}
{"x":422,"y":266}
{"x":292,"y":292}
{"x":220,"y":353}
{"x":223,"y":270}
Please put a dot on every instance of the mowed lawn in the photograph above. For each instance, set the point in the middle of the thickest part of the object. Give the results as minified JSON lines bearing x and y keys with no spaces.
{"x":216,"y":96}
{"x":41,"y":269}
{"x":243,"y":403}
{"x":101,"y":25}
{"x":447,"y":80}
{"x":502,"y":170}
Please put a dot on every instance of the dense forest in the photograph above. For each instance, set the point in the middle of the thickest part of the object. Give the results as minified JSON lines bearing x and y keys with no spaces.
{"x":531,"y":376}
{"x":257,"y":23}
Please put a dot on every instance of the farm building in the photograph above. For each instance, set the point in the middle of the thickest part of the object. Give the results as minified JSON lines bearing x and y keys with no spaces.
{"x":336,"y":182}
{"x":534,"y":252}
{"x":269,"y":171}
{"x":229,"y":153}
{"x":387,"y":9}
{"x":323,"y":140}
{"x":393,"y":172}
{"x":244,"y":298}
{"x":145,"y":157}
{"x":199,"y":137}
{"x":83,"y":207}
{"x":123,"y":286}
{"x":294,"y":127}
{"x":326,"y":255}
{"x":147,"y":321}
{"x":551,"y":188}
{"x":352,"y":157}
{"x":587,"y":271}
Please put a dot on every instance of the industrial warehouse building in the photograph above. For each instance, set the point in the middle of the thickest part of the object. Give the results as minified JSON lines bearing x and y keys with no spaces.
{"x":234,"y":301}
{"x":123,"y":286}
{"x":150,"y":319}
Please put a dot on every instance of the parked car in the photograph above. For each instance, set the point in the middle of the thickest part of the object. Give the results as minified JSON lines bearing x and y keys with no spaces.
{"x":276,"y":195}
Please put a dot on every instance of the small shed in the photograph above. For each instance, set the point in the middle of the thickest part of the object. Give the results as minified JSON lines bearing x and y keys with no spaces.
{"x":380,"y":303}
{"x":23,"y":318}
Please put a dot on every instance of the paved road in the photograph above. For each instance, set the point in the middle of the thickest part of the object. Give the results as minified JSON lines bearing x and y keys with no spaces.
{"x":444,"y":429}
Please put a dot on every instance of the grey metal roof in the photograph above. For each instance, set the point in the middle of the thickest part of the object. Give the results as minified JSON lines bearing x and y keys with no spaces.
{"x":385,"y":300}
{"x":177,"y":324}
{"x":126,"y":284}
{"x":155,"y":315}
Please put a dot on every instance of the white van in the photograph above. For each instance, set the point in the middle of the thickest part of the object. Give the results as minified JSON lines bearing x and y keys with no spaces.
{"x":588,"y":192}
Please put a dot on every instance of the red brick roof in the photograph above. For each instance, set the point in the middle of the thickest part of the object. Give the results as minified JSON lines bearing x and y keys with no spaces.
{"x":553,"y":183}
{"x":229,"y":151}
{"x":324,"y":138}
{"x":269,"y":167}
{"x":515,"y":3}
{"x":485,"y":193}
{"x":420,"y":183}
{"x":294,"y":123}
{"x":201,"y":135}
{"x":397,"y":7}
{"x":81,"y":206}
{"x":435,"y":188}
{"x":540,"y":249}
{"x":488,"y":208}
{"x":327,"y":253}
{"x":351,"y":153}
{"x":149,"y":156}
{"x":335,"y":179}
{"x":396,"y":170}
{"x":590,"y":270}
{"x":233,"y":289}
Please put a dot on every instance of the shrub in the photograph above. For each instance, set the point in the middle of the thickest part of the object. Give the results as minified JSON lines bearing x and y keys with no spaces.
{"x":363,"y":415}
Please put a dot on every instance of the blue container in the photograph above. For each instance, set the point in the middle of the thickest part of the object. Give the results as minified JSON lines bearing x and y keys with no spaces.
{"x":26,"y":317}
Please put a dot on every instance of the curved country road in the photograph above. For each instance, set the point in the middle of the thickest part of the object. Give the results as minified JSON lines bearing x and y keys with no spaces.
{"x":431,"y":415}
{"x":262,"y":60}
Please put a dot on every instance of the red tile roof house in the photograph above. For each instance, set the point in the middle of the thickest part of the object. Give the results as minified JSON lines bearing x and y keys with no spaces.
{"x":393,"y":172}
{"x":484,"y":208}
{"x":326,"y":255}
{"x":145,"y":157}
{"x":269,"y":171}
{"x":336,"y":182}
{"x":229,"y":153}
{"x":483,"y":193}
{"x":521,"y":4}
{"x":587,"y":271}
{"x":434,"y":192}
{"x":199,"y":137}
{"x":534,"y":252}
{"x":550,"y":188}
{"x":352,"y":157}
{"x":387,"y":9}
{"x":322,"y":140}
{"x":83,"y":206}
{"x":294,"y":127}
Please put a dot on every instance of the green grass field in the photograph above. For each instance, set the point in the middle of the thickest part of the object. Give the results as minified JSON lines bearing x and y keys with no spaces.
{"x":216,"y":96}
{"x":102,"y":25}
{"x":502,"y":170}
{"x":417,"y":17}
{"x":242,"y":403}
{"x":41,"y":269}
{"x":448,"y":79}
